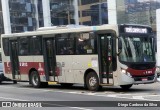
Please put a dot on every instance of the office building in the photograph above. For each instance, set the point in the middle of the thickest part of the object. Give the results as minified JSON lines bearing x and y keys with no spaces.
{"x":29,"y":15}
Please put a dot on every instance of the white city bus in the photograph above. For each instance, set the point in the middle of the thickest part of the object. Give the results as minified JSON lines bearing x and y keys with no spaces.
{"x":96,"y":56}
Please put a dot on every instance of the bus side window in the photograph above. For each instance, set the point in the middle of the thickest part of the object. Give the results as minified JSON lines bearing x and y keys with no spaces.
{"x":36,"y":45}
{"x":6,"y":46}
{"x":85,"y":44}
{"x":65,"y":44}
{"x":23,"y":46}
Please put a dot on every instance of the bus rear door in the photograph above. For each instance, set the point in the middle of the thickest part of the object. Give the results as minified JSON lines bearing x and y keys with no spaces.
{"x":14,"y":59}
{"x":107,"y":49}
{"x":49,"y":58}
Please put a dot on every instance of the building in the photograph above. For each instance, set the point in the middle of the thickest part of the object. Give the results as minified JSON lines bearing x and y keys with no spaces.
{"x":137,"y":12}
{"x":28,"y":15}
{"x":22,"y":15}
{"x":1,"y":20}
{"x":93,"y":12}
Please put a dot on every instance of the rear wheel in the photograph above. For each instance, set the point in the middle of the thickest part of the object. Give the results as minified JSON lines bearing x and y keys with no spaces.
{"x":14,"y":82}
{"x":92,"y":81}
{"x":126,"y":87}
{"x":44,"y":84}
{"x":35,"y":79}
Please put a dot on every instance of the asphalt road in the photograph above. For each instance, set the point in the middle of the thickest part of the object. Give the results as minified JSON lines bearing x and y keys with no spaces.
{"x":56,"y":97}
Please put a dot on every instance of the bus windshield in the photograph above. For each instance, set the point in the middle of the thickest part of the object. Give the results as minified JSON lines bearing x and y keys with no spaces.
{"x":137,"y":49}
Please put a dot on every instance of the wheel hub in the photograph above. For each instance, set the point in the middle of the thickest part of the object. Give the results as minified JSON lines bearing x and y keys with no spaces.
{"x":35,"y":80}
{"x":92,"y":81}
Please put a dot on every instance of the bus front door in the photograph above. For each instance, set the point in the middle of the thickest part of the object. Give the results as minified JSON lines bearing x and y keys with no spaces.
{"x":50,"y":58}
{"x":14,"y":59}
{"x":106,"y":58}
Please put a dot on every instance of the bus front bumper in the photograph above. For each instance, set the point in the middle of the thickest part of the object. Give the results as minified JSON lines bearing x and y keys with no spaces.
{"x":145,"y":80}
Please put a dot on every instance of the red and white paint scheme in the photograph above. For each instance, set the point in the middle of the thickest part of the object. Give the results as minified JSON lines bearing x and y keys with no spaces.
{"x":106,"y":55}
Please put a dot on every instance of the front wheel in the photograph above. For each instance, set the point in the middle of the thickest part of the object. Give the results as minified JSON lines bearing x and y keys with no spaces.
{"x":92,"y":81}
{"x":126,"y":87}
{"x":35,"y":79}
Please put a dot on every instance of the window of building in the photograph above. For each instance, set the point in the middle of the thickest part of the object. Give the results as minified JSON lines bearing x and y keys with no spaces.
{"x":88,"y":23}
{"x":86,"y":13}
{"x":85,"y":2}
{"x":23,"y":46}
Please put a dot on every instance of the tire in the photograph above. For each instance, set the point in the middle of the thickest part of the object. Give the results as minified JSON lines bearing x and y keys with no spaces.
{"x":92,"y":81}
{"x":35,"y":79}
{"x":126,"y":87}
{"x":44,"y":84}
{"x":14,"y":82}
{"x":66,"y":84}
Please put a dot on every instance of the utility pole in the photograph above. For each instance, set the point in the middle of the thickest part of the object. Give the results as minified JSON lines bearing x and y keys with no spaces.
{"x":68,"y":11}
{"x":68,"y":14}
{"x":150,"y":14}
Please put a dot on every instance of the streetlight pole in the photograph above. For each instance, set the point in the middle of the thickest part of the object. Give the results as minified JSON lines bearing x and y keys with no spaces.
{"x":68,"y":14}
{"x":68,"y":11}
{"x":150,"y":14}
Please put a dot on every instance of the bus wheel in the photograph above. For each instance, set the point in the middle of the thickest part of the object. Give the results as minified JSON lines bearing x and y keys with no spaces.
{"x":44,"y":84}
{"x":66,"y":84}
{"x":126,"y":87}
{"x":14,"y":82}
{"x":92,"y":81}
{"x":35,"y":79}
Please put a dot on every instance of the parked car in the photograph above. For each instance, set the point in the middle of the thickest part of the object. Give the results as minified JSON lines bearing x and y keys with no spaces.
{"x":2,"y":77}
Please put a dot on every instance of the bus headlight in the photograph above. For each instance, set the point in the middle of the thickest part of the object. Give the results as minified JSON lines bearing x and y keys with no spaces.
{"x":157,"y":69}
{"x":126,"y":73}
{"x":123,"y":71}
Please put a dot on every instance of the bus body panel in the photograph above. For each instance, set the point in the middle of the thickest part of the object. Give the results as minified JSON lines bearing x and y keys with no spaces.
{"x":72,"y":68}
{"x":81,"y":63}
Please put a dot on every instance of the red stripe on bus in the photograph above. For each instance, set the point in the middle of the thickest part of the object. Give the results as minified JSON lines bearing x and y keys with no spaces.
{"x":24,"y":67}
{"x":141,"y":72}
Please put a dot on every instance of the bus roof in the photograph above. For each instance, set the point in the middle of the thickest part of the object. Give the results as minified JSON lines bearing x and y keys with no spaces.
{"x":53,"y":30}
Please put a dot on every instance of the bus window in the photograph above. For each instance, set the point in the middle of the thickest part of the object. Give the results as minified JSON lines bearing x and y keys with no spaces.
{"x":36,"y":45}
{"x":65,"y":44}
{"x":23,"y":46}
{"x":6,"y":46}
{"x":85,"y":44}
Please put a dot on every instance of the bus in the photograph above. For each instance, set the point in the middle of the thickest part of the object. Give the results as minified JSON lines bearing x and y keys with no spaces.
{"x":96,"y":56}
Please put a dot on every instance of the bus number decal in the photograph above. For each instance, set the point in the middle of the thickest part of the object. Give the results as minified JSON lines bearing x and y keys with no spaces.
{"x":23,"y":64}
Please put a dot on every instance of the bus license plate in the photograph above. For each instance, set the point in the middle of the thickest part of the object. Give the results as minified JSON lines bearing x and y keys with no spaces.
{"x":144,"y":79}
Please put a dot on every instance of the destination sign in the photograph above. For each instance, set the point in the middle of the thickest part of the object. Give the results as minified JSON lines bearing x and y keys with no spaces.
{"x":136,"y":30}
